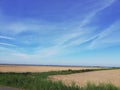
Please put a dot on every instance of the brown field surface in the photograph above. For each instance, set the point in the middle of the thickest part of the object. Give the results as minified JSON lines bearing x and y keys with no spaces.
{"x":15,"y":68}
{"x":96,"y":77}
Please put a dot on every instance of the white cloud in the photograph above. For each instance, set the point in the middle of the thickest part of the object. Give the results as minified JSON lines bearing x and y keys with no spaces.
{"x":107,"y":37}
{"x":79,"y":31}
{"x":47,"y":52}
{"x":7,"y":44}
{"x":15,"y":28}
{"x":68,"y":37}
{"x":6,"y":37}
{"x":95,"y":11}
{"x":80,"y":41}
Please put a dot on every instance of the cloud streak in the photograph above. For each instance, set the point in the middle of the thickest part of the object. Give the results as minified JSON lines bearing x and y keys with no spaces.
{"x":104,"y":38}
{"x":7,"y":44}
{"x":46,"y":39}
{"x":6,"y":37}
{"x":79,"y":31}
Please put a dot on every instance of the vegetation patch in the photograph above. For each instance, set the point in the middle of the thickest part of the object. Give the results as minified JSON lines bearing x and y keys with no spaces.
{"x":39,"y":81}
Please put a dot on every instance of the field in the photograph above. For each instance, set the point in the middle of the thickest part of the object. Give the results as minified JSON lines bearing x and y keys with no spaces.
{"x":81,"y":79}
{"x":20,"y":69}
{"x":41,"y":80}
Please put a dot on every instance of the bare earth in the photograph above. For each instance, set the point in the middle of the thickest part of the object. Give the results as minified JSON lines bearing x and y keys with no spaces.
{"x":20,"y":69}
{"x":96,"y":77}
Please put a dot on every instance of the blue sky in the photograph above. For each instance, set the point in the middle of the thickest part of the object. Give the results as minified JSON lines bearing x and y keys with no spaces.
{"x":60,"y":32}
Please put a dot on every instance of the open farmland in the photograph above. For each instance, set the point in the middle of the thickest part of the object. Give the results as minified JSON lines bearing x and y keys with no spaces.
{"x":96,"y":77}
{"x":40,"y":81}
{"x":15,"y":68}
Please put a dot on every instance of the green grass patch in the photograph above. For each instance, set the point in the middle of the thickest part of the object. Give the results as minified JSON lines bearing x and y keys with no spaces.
{"x":101,"y":86}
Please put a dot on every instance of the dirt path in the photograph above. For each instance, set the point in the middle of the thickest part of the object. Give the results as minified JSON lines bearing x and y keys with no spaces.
{"x":106,"y":76}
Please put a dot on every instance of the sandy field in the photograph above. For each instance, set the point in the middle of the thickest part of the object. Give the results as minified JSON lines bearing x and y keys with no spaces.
{"x":96,"y":77}
{"x":13,"y":68}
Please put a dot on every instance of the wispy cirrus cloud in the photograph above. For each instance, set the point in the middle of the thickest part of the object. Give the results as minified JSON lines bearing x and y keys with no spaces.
{"x":107,"y":37}
{"x":7,"y":44}
{"x":6,"y":37}
{"x":80,"y":35}
{"x":51,"y":39}
{"x":15,"y":28}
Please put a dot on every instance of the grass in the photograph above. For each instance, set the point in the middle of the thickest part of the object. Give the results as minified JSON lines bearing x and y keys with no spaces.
{"x":39,"y":81}
{"x":101,"y":86}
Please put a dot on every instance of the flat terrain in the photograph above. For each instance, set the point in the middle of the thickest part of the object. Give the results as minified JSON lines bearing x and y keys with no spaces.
{"x":20,"y":69}
{"x":96,"y":77}
{"x":8,"y":88}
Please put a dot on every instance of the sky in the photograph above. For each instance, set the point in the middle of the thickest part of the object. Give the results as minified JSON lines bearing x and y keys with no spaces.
{"x":60,"y":32}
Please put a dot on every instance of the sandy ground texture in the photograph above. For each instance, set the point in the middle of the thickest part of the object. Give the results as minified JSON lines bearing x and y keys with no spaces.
{"x":96,"y":77}
{"x":13,"y":68}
